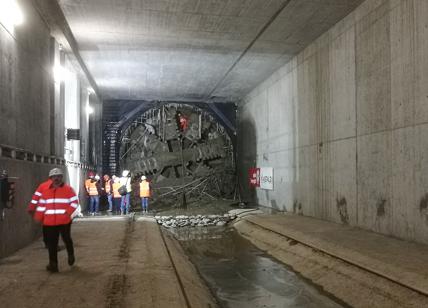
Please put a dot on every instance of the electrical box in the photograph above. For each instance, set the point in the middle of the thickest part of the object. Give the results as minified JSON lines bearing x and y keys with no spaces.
{"x":7,"y":194}
{"x":4,"y":190}
{"x":73,"y":134}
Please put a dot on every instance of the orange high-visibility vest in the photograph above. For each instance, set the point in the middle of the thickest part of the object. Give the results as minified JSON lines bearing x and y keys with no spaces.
{"x":116,"y":186}
{"x":91,"y":187}
{"x":144,"y":189}
{"x":87,"y":181}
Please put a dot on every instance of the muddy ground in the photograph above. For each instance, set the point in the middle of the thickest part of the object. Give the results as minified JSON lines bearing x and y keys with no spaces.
{"x":119,"y":263}
{"x":129,"y":262}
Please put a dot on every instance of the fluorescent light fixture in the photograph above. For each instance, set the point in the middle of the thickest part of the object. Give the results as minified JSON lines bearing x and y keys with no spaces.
{"x":10,"y":14}
{"x":60,"y":73}
{"x":89,"y":110}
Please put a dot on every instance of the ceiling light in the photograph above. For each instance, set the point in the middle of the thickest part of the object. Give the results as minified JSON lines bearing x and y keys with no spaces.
{"x":10,"y":14}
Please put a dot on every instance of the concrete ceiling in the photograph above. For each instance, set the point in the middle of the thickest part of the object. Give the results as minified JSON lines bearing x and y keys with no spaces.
{"x":186,"y":50}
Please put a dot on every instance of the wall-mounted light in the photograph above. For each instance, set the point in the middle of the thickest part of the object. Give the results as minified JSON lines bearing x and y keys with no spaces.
{"x":60,"y":73}
{"x":89,"y":110}
{"x":10,"y":14}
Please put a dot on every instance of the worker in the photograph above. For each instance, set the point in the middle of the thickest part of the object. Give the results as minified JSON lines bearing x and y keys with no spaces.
{"x":91,"y":186}
{"x":125,"y":190}
{"x":35,"y":201}
{"x":144,"y":193}
{"x":183,"y":121}
{"x":108,"y":190}
{"x":87,"y":184}
{"x":90,"y":177}
{"x":98,"y":186}
{"x":57,"y":207}
{"x":116,"y":195}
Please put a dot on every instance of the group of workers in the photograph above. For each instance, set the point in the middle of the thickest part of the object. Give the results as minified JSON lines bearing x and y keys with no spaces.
{"x":55,"y":204}
{"x":118,"y":191}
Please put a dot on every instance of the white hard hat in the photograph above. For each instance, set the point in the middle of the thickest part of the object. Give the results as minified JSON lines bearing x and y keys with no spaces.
{"x":143,"y":177}
{"x":125,"y":172}
{"x":97,"y":177}
{"x":56,"y":171}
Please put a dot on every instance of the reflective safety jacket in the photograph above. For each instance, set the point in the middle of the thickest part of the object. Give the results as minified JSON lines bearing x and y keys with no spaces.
{"x":91,"y":187}
{"x":36,"y":196}
{"x":57,"y":206}
{"x":184,"y":123}
{"x":144,"y":189}
{"x":116,"y":186}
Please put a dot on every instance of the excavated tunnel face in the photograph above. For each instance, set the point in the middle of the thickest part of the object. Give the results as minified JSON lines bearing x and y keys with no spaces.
{"x":181,"y":149}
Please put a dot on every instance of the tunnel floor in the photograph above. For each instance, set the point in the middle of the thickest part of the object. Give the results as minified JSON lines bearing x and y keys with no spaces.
{"x":130,"y":261}
{"x":119,"y":263}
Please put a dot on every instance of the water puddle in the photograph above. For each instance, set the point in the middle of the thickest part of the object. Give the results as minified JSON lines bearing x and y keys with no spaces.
{"x":240,"y":275}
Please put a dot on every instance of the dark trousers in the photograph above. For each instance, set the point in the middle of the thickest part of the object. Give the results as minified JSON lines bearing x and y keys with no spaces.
{"x":116,"y":204}
{"x":44,"y":238}
{"x":52,"y":236}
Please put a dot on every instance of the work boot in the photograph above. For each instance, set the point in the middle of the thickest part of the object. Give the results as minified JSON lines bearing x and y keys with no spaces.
{"x":71,"y":260}
{"x":53,"y":268}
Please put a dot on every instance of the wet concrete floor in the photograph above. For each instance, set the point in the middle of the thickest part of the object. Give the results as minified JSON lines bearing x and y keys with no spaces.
{"x":240,"y":275}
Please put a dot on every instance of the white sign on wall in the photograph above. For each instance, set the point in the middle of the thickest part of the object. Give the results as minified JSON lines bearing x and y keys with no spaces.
{"x":266,"y":178}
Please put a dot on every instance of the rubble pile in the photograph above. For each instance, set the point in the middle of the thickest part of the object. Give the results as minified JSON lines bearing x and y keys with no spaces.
{"x":194,"y":221}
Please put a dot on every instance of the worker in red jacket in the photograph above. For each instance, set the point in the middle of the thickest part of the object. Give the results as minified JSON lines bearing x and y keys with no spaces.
{"x":57,"y":207}
{"x":36,"y":195}
{"x":35,"y":201}
{"x":183,"y":122}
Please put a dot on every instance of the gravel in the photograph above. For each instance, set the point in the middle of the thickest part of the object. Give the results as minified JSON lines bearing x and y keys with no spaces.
{"x":194,"y":221}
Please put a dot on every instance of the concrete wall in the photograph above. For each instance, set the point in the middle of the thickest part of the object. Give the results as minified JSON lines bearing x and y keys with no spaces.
{"x":344,"y":124}
{"x":31,"y":117}
{"x":24,"y":118}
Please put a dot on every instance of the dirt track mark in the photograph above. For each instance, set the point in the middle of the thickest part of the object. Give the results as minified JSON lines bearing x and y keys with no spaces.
{"x":117,"y":284}
{"x":116,"y":289}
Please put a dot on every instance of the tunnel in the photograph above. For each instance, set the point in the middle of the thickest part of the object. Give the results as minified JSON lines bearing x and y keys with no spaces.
{"x":213,"y":153}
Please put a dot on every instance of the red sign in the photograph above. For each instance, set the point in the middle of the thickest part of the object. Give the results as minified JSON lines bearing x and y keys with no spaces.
{"x":254,"y":177}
